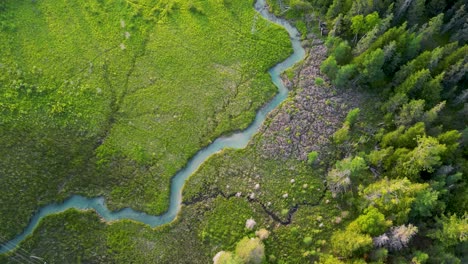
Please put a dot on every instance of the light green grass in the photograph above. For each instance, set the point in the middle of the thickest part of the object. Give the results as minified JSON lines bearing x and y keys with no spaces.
{"x":86,"y":110}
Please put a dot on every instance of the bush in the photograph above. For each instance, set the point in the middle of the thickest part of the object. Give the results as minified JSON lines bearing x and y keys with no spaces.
{"x":329,"y":67}
{"x":352,"y":116}
{"x":312,"y":157}
{"x":348,"y":243}
{"x":301,"y":26}
{"x":342,"y":53}
{"x":319,"y":81}
{"x":307,"y":241}
{"x":251,"y":250}
{"x":342,"y":134}
{"x":344,"y":75}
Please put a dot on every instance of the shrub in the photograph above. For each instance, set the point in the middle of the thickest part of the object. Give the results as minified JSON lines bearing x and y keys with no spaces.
{"x":307,"y":240}
{"x":344,"y":75}
{"x":312,"y":157}
{"x":251,"y":250}
{"x":352,"y":116}
{"x":319,"y":81}
{"x":342,"y":134}
{"x":329,"y":67}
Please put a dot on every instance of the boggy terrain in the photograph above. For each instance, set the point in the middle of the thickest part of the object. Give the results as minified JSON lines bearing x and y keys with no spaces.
{"x":366,"y":162}
{"x":279,"y":191}
{"x":113,"y":98}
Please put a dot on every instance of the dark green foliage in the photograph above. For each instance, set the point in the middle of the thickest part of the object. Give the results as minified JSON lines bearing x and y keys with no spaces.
{"x":379,"y":255}
{"x":410,"y":57}
{"x":416,"y":12}
{"x":371,"y":68}
{"x":457,"y":22}
{"x":430,"y":31}
{"x":337,"y":7}
{"x":75,"y":236}
{"x":330,"y":67}
{"x":425,"y":203}
{"x":344,"y":75}
{"x":435,"y":7}
{"x":342,"y":53}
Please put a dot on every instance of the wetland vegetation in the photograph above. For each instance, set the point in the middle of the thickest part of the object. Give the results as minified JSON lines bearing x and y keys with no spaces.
{"x":365,"y":162}
{"x":113,"y":98}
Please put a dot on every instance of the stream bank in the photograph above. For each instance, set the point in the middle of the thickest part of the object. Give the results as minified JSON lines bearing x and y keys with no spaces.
{"x":236,"y":140}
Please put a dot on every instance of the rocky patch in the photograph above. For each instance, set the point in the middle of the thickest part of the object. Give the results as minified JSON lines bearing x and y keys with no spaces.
{"x":311,"y":115}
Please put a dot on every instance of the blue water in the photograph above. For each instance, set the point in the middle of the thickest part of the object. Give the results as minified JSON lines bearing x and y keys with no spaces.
{"x":238,"y":140}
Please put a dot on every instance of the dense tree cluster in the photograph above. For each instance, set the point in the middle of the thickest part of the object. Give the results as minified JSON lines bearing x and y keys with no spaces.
{"x":413,"y":54}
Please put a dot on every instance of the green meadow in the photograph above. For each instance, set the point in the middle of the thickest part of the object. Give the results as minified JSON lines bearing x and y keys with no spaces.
{"x":112,"y":98}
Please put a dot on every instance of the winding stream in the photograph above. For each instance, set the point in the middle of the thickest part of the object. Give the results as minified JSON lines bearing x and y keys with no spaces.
{"x":238,"y":140}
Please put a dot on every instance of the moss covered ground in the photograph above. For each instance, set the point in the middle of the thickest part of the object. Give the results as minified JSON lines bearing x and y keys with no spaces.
{"x":112,"y":98}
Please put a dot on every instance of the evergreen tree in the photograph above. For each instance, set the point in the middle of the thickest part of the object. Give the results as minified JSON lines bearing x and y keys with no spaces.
{"x":329,"y":67}
{"x":372,"y":72}
{"x":436,"y":7}
{"x":366,"y":41}
{"x":425,"y":157}
{"x":416,"y":12}
{"x":342,"y":53}
{"x":394,"y":198}
{"x":337,"y":7}
{"x":344,"y":75}
{"x":430,"y":30}
{"x":410,"y":113}
{"x":452,"y":231}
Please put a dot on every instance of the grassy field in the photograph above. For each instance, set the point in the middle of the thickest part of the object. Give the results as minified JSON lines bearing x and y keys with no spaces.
{"x":285,"y":197}
{"x":112,"y":98}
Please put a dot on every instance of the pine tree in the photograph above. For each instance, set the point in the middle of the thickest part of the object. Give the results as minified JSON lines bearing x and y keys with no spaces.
{"x":372,"y":72}
{"x":452,"y":231}
{"x":416,"y":12}
{"x":344,"y":75}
